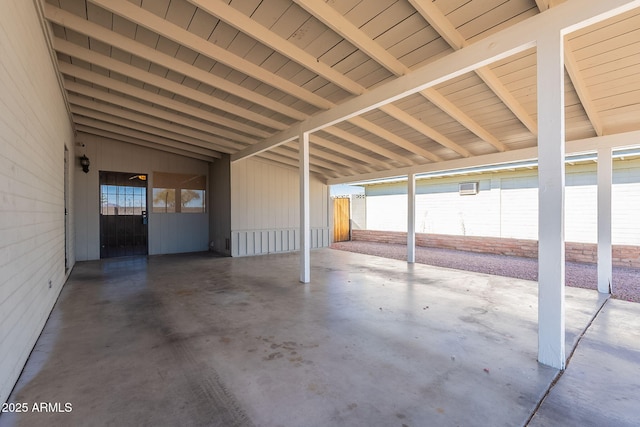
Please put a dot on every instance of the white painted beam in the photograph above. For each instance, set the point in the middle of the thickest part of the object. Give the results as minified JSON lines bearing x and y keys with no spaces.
{"x":153,"y":98}
{"x":411,"y":218}
{"x":579,"y":146}
{"x":305,"y":206}
{"x":98,"y":32}
{"x":93,"y":57}
{"x":551,"y":186}
{"x":605,"y":180}
{"x":89,"y":130}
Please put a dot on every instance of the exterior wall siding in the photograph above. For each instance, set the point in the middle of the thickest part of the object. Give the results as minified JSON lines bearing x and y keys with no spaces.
{"x":168,"y":232}
{"x":507,"y":205}
{"x":265,"y":209}
{"x":34,"y":131}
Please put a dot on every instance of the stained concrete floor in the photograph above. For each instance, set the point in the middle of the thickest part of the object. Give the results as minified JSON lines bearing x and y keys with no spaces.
{"x":203,"y":341}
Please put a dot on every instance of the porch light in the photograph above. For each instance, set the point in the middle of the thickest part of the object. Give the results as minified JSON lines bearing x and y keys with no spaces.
{"x":84,"y":162}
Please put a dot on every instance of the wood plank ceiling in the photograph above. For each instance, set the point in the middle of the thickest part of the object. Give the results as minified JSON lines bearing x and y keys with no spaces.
{"x":209,"y":77}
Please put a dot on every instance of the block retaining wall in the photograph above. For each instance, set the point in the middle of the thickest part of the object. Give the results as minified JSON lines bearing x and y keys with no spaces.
{"x":623,"y":255}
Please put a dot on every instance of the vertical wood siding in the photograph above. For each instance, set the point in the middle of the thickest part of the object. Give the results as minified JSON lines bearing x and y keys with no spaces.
{"x":265,"y":209}
{"x":34,"y":129}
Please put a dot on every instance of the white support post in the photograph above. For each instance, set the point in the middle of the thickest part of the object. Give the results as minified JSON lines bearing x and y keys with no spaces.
{"x":411,"y":218}
{"x":305,"y":217}
{"x":551,"y":183}
{"x":605,"y":262}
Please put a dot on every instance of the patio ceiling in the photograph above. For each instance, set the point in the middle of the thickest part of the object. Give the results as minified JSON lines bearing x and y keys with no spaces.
{"x":211,"y":77}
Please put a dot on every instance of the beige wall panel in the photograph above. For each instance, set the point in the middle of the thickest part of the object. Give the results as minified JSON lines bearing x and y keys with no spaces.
{"x":168,"y":233}
{"x":265,"y":209}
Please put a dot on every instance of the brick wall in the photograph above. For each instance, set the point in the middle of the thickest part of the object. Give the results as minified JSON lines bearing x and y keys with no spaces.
{"x":623,"y":256}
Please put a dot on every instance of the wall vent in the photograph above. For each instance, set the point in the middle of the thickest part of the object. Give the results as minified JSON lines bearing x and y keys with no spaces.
{"x":468,"y":188}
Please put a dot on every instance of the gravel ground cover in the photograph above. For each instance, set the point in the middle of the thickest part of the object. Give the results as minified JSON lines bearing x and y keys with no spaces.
{"x":626,"y":281}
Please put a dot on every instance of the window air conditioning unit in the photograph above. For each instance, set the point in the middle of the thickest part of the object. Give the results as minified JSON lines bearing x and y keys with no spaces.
{"x":468,"y":188}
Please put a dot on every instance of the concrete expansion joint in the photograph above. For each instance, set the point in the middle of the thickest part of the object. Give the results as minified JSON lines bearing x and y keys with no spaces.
{"x":573,"y":350}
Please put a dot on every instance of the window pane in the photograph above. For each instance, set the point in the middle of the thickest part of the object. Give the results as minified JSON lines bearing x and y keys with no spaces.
{"x":164,"y":200}
{"x":193,"y":201}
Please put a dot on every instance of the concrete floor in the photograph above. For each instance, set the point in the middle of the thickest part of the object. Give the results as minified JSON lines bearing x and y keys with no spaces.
{"x":197,"y":340}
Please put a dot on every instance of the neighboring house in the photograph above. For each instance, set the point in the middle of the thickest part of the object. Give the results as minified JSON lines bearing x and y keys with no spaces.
{"x":506,"y":204}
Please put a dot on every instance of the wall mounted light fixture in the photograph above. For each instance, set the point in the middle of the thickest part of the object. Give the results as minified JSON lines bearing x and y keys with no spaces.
{"x":84,"y":162}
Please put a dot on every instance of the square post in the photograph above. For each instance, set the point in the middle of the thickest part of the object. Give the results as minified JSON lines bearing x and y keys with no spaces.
{"x":411,"y":218}
{"x":605,"y":261}
{"x":551,"y":194}
{"x":305,"y":217}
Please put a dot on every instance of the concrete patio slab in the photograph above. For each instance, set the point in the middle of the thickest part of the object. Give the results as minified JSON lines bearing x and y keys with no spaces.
{"x":601,"y":385}
{"x":197,"y":340}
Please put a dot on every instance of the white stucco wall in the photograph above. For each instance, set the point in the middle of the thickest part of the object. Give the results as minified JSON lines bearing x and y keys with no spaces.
{"x":34,"y":130}
{"x":168,"y":232}
{"x":507,"y":205}
{"x":265,"y":209}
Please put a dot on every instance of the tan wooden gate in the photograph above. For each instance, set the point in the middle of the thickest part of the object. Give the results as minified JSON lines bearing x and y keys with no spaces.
{"x":341,"y":220}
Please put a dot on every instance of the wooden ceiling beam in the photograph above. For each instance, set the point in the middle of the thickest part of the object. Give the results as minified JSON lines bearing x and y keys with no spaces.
{"x":368,"y":145}
{"x":145,"y":95}
{"x":194,"y":144}
{"x":334,"y":20}
{"x":412,"y":122}
{"x":115,"y":127}
{"x":570,"y":16}
{"x":89,"y":130}
{"x":181,"y":36}
{"x":434,"y":16}
{"x":98,"y":32}
{"x":158,"y":113}
{"x":140,"y":123}
{"x":571,"y":65}
{"x":95,"y":58}
{"x":250,"y":27}
{"x":265,"y":36}
{"x":198,"y":138}
{"x":334,"y":146}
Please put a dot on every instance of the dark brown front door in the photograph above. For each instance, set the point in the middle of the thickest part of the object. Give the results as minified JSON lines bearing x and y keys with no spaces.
{"x":123,"y":214}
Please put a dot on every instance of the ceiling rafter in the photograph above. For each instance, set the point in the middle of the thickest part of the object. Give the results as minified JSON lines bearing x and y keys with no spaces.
{"x":125,"y":44}
{"x":133,"y":124}
{"x":265,"y":36}
{"x":158,"y":113}
{"x":362,"y":142}
{"x":401,"y":142}
{"x":97,"y":32}
{"x":131,"y":120}
{"x":95,"y":58}
{"x":145,"y":95}
{"x":181,"y":36}
{"x":334,"y":20}
{"x":333,"y":146}
{"x":250,"y":27}
{"x":184,"y":37}
{"x":109,"y":126}
{"x":434,"y":16}
{"x":571,"y":65}
{"x":199,"y":138}
{"x":571,"y":16}
{"x":88,"y":130}
{"x":347,"y":137}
